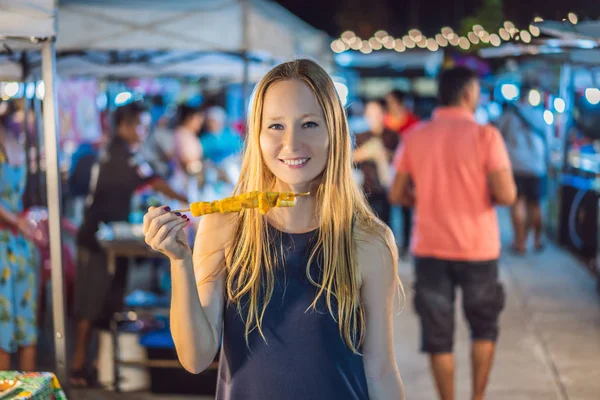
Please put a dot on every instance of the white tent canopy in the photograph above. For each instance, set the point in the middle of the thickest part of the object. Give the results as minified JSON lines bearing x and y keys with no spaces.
{"x":567,"y":30}
{"x":261,"y":30}
{"x":27,"y":18}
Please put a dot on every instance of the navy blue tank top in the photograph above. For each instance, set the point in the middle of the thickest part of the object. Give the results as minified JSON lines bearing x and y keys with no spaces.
{"x":305,"y":357}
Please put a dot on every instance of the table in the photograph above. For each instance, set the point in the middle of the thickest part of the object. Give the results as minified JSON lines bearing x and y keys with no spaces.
{"x":35,"y":385}
{"x":126,"y":248}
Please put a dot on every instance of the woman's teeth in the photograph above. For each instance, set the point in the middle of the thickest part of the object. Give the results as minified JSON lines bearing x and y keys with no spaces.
{"x":295,"y":162}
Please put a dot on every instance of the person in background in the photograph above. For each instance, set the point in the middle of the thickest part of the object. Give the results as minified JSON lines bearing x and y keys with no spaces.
{"x":189,"y":170}
{"x":118,"y":173}
{"x":400,"y":119}
{"x":159,"y":149}
{"x":373,"y":155}
{"x":19,"y":258}
{"x":526,"y":135}
{"x":218,"y":140}
{"x":460,"y":171}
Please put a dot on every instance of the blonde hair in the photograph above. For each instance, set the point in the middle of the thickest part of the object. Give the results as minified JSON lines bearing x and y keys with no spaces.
{"x":342,"y":207}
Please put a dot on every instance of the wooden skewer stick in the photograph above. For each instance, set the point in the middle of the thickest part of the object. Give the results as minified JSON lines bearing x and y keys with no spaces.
{"x":188,"y":209}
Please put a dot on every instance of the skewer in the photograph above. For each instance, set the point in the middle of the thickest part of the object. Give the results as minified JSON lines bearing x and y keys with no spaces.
{"x":188,"y":209}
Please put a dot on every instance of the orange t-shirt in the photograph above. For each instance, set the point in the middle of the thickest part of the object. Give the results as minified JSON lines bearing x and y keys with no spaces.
{"x":449,"y":160}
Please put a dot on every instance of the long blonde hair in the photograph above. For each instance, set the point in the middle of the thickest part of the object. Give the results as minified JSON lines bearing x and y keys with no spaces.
{"x":341,"y":207}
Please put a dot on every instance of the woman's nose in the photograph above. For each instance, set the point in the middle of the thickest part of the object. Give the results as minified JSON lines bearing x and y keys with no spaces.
{"x":292,"y":138}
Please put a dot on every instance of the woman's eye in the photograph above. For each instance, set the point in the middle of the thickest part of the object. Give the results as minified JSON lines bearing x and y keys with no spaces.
{"x":310,"y":124}
{"x":276,"y":127}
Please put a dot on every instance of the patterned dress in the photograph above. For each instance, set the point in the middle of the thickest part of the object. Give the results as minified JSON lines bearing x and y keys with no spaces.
{"x":19,"y":261}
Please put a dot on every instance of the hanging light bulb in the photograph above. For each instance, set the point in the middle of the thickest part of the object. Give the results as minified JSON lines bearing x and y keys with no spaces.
{"x":504,"y":34}
{"x":399,"y":45}
{"x":375,"y":44}
{"x":495,"y":40}
{"x":477,"y":29}
{"x":348,"y":36}
{"x":535,"y":31}
{"x":464,"y":43}
{"x":573,"y":18}
{"x":473,"y":38}
{"x":423,"y":42}
{"x":380,"y":34}
{"x":509,"y":25}
{"x":441,"y":40}
{"x":538,"y":19}
{"x":432,"y":44}
{"x":408,"y":42}
{"x":525,"y":36}
{"x":447,"y":31}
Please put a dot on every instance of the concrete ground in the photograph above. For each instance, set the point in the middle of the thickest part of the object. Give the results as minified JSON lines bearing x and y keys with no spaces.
{"x":549,"y":346}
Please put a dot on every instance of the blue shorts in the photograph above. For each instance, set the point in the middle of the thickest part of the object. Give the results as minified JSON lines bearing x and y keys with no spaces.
{"x":482,"y":295}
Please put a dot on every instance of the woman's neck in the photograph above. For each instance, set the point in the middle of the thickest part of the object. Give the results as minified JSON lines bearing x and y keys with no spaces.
{"x":300,"y":218}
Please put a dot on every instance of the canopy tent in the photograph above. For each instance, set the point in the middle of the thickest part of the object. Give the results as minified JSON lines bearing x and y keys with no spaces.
{"x":567,"y":30}
{"x":113,"y":38}
{"x":34,"y":20}
{"x":391,"y":62}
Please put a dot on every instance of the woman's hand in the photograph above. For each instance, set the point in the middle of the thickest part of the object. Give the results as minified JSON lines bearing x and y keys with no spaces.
{"x":26,"y":229}
{"x":164,"y":232}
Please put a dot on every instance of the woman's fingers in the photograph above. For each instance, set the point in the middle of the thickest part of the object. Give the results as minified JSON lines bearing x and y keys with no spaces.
{"x":152,"y":213}
{"x":157,"y":222}
{"x":168,"y":229}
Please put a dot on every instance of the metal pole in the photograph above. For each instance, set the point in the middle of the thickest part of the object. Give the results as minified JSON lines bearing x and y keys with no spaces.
{"x":53,"y":184}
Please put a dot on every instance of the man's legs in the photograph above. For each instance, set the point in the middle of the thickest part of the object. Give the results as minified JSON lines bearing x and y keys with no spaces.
{"x":27,"y":357}
{"x":519,"y":221}
{"x":483,"y":300}
{"x":434,"y":302}
{"x":442,"y":367}
{"x":482,"y":358}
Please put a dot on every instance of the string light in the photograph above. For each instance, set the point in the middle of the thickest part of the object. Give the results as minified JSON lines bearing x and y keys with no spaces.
{"x":509,"y":25}
{"x":348,"y":37}
{"x":365,"y":48}
{"x":473,"y":38}
{"x":535,"y":98}
{"x":441,"y":40}
{"x":495,"y":40}
{"x":415,"y":34}
{"x":357,"y":44}
{"x":381,"y":34}
{"x":464,"y":43}
{"x":525,"y":36}
{"x":399,"y":45}
{"x":337,"y":46}
{"x":454,"y":40}
{"x":432,"y":44}
{"x":374,"y":43}
{"x":446,"y":32}
{"x":408,"y":42}
{"x":573,"y":18}
{"x":423,"y":42}
{"x":388,"y":42}
{"x":538,"y":19}
{"x":535,"y":31}
{"x":485,"y":38}
{"x":477,"y":29}
{"x":504,"y":34}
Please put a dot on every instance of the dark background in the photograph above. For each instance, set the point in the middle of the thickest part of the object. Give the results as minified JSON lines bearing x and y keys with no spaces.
{"x":365,"y":17}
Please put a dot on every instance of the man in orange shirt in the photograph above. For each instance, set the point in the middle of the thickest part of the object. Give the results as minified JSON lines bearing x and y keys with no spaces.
{"x":459,"y":170}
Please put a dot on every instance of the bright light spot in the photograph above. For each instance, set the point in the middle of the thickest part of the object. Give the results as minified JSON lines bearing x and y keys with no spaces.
{"x":356,"y":44}
{"x":408,"y":42}
{"x":559,"y":105}
{"x":573,"y":18}
{"x":504,"y":34}
{"x":30,"y":90}
{"x":464,"y":44}
{"x":342,"y":91}
{"x":399,"y":46}
{"x":509,"y":91}
{"x":338,"y":46}
{"x":422,"y":43}
{"x":454,"y":40}
{"x":494,"y":110}
{"x":366,"y":48}
{"x":485,"y":37}
{"x":432,"y":45}
{"x":509,"y":26}
{"x":11,"y":89}
{"x":535,"y":98}
{"x":381,"y":34}
{"x":548,"y":117}
{"x":441,"y":40}
{"x":481,"y":116}
{"x":525,"y":36}
{"x":592,"y":95}
{"x":40,"y":92}
{"x":347,"y":36}
{"x":477,"y":28}
{"x":415,"y":34}
{"x":538,"y":19}
{"x":473,"y":38}
{"x":535,"y":31}
{"x":447,"y":31}
{"x":101,"y":101}
{"x":374,"y":43}
{"x":495,"y":40}
{"x":122,"y":98}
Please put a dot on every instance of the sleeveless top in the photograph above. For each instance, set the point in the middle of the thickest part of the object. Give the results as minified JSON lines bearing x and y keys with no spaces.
{"x":304,"y":357}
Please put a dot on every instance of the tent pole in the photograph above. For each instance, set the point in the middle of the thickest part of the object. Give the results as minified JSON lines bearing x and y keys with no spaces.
{"x":53,"y":186}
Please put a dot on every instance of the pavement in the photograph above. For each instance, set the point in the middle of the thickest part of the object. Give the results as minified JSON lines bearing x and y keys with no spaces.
{"x":549,"y":345}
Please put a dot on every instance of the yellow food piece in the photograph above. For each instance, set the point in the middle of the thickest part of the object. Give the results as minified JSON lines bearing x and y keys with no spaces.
{"x":264,"y":201}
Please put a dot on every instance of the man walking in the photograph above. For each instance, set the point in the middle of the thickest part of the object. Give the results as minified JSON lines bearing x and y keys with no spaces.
{"x":459,"y":170}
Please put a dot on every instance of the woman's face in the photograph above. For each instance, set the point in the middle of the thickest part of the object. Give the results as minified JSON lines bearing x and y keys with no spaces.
{"x":294,"y":140}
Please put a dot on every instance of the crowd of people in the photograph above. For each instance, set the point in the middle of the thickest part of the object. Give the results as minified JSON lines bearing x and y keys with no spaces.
{"x":333,"y":252}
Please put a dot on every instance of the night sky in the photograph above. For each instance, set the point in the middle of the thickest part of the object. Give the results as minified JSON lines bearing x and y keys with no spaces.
{"x":395,"y":16}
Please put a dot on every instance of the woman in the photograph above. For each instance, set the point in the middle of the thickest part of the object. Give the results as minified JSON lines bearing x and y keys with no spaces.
{"x":18,"y":256}
{"x":302,"y":298}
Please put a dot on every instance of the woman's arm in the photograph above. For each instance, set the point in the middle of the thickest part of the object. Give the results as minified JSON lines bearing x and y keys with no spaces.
{"x":378,"y":294}
{"x":198,"y":294}
{"x":8,"y":218}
